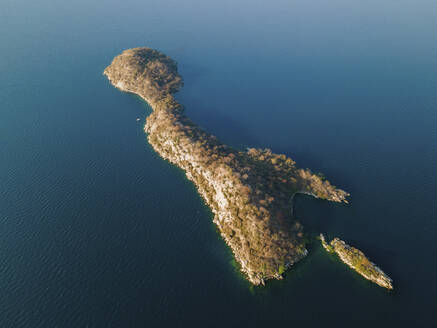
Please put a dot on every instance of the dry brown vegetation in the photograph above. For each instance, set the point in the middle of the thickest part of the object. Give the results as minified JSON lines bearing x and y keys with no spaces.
{"x":249,"y":191}
{"x":360,"y":263}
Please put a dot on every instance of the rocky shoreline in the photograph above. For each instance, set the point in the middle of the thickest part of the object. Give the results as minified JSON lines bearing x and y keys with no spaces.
{"x":357,"y":261}
{"x":248,"y":192}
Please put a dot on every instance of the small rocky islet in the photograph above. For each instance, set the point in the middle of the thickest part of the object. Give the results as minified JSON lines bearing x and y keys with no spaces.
{"x":357,"y":261}
{"x":249,"y":192}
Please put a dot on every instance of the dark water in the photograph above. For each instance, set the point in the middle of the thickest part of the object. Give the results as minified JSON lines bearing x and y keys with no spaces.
{"x":97,"y":231}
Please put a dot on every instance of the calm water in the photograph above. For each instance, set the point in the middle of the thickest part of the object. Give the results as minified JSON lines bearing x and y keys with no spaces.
{"x":97,"y":231}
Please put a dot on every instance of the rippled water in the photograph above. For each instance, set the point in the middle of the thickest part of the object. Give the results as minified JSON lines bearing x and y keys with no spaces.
{"x":97,"y":231}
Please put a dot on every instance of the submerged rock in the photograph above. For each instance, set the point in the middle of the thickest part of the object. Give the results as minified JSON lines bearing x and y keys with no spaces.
{"x":249,"y":192}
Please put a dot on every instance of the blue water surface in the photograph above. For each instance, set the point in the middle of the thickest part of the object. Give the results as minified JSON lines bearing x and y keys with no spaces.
{"x":97,"y":231}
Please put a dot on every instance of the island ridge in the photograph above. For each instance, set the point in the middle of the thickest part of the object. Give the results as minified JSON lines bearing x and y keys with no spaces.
{"x":357,"y":261}
{"x":249,"y":192}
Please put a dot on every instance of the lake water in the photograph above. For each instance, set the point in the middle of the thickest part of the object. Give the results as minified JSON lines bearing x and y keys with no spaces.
{"x":97,"y":231}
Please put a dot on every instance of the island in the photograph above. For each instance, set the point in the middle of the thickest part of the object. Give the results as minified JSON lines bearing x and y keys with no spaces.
{"x":249,"y":192}
{"x":356,"y":260}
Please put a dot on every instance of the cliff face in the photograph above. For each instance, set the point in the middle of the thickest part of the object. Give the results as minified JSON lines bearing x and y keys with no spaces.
{"x":356,"y":260}
{"x":248,"y":192}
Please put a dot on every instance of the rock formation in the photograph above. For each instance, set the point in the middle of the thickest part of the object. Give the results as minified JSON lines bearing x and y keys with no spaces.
{"x":356,"y":260}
